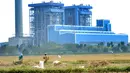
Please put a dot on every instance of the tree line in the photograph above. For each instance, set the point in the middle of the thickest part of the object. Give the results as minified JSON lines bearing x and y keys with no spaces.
{"x":53,"y":48}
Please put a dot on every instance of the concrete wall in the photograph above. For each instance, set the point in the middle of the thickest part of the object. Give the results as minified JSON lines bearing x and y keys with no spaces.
{"x":57,"y":37}
{"x":53,"y":35}
{"x":68,"y":38}
{"x":81,"y":37}
{"x":69,"y":27}
{"x":69,"y":16}
{"x":14,"y":41}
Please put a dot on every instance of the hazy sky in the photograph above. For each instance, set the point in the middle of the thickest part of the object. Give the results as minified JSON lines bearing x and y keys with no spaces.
{"x":118,"y":11}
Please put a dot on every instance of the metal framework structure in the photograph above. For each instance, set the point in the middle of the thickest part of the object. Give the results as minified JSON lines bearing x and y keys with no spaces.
{"x":80,"y":15}
{"x":41,"y":15}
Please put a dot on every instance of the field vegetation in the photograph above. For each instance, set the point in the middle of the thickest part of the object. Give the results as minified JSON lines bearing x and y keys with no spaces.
{"x":65,"y":49}
{"x":91,"y":62}
{"x":76,"y":58}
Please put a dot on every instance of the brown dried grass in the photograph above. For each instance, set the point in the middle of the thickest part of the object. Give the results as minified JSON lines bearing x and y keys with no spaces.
{"x":72,"y":57}
{"x":98,"y":63}
{"x":33,"y":60}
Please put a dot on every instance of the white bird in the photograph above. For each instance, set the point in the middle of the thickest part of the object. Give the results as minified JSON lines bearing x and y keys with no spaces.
{"x":56,"y":62}
{"x":59,"y":56}
{"x":81,"y":66}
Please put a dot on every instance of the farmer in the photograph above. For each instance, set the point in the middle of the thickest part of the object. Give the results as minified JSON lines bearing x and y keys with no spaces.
{"x":20,"y":60}
{"x":46,"y":58}
{"x":21,"y":57}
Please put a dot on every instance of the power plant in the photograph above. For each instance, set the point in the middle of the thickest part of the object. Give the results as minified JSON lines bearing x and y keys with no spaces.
{"x":54,"y":22}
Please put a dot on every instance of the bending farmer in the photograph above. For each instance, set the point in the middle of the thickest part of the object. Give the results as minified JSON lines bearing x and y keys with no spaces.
{"x":45,"y":58}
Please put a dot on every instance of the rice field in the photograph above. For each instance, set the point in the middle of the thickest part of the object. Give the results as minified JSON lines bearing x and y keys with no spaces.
{"x":87,"y":57}
{"x":70,"y":61}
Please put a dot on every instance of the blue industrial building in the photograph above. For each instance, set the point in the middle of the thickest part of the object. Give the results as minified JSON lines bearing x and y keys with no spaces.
{"x":54,"y":22}
{"x":42,"y":15}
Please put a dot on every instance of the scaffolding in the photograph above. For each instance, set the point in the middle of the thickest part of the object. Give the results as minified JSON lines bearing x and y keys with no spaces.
{"x":85,"y":15}
{"x":80,"y":15}
{"x":40,"y":16}
{"x":85,"y":20}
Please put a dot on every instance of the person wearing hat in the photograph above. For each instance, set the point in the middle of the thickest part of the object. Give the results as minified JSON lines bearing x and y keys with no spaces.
{"x":46,"y":58}
{"x":20,"y":60}
{"x":21,"y":57}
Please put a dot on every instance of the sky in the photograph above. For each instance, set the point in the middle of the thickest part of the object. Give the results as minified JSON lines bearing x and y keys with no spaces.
{"x":118,"y":11}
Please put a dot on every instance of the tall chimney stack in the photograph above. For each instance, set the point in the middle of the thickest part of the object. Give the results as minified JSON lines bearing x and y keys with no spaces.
{"x":18,"y":19}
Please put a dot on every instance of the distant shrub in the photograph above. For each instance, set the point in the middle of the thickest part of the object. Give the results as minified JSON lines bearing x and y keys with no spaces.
{"x":98,"y":63}
{"x":23,"y":70}
{"x":81,"y":61}
{"x":26,"y":69}
{"x":119,"y":61}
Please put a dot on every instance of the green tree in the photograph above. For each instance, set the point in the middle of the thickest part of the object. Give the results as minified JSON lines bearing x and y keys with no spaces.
{"x":101,"y":44}
{"x":25,"y":52}
{"x":71,"y":47}
{"x":122,"y":47}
